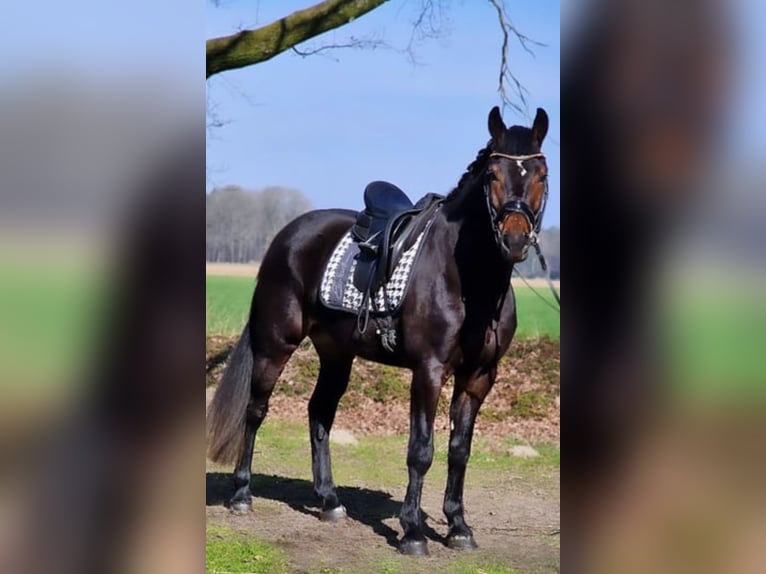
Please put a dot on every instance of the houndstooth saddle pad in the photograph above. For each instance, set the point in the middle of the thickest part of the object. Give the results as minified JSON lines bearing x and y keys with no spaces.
{"x":337,"y":290}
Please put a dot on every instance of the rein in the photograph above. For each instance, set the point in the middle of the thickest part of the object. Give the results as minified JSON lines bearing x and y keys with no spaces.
{"x":544,"y":265}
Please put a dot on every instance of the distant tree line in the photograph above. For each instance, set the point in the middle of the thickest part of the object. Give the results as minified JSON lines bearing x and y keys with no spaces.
{"x":241,"y":224}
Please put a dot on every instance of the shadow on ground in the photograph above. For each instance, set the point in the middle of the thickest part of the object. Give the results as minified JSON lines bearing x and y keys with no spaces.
{"x":364,"y":505}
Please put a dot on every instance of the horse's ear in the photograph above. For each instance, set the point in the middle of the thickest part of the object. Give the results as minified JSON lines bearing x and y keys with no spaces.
{"x":540,"y":126}
{"x":496,"y":125}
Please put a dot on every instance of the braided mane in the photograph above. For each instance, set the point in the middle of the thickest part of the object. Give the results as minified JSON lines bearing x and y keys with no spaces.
{"x":471,"y":172}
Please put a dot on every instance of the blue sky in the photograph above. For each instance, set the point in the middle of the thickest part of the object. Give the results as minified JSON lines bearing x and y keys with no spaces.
{"x":328,"y":125}
{"x":103,"y":40}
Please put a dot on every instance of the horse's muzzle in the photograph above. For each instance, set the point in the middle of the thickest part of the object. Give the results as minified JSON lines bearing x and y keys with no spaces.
{"x":515,"y":246}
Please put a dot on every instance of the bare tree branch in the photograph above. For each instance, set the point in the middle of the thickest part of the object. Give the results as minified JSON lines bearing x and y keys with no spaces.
{"x":253,"y":46}
{"x":213,"y":118}
{"x":429,"y":24}
{"x":351,"y":43}
{"x":506,"y":75}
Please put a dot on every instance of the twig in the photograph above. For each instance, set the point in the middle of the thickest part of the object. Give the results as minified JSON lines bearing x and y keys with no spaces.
{"x":429,"y":24}
{"x":506,"y":75}
{"x":353,"y":43}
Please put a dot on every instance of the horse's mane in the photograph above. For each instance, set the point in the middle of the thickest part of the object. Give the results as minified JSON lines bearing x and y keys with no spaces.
{"x":471,"y":172}
{"x":520,"y":138}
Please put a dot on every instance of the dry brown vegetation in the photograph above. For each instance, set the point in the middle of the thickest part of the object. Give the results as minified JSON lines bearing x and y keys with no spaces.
{"x":524,"y":403}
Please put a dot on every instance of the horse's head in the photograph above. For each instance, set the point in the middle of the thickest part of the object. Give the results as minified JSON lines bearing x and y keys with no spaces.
{"x":516,"y":186}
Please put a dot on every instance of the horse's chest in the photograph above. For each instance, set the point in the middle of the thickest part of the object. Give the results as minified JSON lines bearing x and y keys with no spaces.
{"x":485,"y":346}
{"x":487,"y":331}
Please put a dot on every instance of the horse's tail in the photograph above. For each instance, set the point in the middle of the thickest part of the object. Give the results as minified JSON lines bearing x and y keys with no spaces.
{"x":226,"y":414}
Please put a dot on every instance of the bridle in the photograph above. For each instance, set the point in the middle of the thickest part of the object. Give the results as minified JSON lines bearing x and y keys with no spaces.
{"x":516,"y":205}
{"x":535,"y":220}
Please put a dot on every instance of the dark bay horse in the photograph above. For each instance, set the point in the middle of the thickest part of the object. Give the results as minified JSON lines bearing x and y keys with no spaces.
{"x":457,"y":319}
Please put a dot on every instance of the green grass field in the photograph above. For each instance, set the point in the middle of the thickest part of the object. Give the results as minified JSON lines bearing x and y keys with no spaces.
{"x":715,"y":341}
{"x":49,"y":319}
{"x":228,"y":302}
{"x":285,"y":445}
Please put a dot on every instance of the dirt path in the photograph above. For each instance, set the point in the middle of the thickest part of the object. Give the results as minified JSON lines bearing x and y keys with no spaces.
{"x":516,"y":524}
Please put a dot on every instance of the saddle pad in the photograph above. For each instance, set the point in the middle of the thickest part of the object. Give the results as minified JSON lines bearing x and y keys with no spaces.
{"x":338,"y":292}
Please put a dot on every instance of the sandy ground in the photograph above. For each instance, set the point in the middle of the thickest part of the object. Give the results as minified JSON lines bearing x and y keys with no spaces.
{"x":232,"y":269}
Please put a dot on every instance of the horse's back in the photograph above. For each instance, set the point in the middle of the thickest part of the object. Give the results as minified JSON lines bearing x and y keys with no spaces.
{"x":298,"y":253}
{"x":312,"y":227}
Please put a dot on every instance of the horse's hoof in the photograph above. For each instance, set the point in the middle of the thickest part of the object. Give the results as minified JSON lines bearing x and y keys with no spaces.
{"x":334,"y":514}
{"x":461,"y":542}
{"x":241,"y":506}
{"x":413,"y":547}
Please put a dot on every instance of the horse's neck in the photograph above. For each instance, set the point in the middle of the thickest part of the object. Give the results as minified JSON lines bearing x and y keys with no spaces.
{"x":484,"y":275}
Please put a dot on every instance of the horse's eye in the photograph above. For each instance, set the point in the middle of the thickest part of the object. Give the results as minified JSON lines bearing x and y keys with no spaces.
{"x":491,"y":175}
{"x":544,"y":177}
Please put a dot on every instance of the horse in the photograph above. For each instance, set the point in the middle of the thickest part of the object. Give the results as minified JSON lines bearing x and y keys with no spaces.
{"x":457,"y":319}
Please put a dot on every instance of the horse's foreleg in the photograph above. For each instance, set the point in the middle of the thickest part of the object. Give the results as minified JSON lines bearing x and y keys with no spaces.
{"x":468,"y":396}
{"x":334,"y":372}
{"x":426,"y":386}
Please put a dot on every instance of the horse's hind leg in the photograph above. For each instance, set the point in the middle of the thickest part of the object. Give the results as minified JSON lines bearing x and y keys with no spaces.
{"x":334,"y":372}
{"x":266,"y":371}
{"x":274,"y":341}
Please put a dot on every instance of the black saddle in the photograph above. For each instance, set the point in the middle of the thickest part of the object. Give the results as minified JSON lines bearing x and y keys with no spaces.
{"x":385,"y":229}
